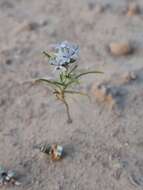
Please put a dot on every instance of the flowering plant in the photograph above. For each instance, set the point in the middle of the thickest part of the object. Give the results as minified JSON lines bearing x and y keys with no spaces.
{"x":64,"y":59}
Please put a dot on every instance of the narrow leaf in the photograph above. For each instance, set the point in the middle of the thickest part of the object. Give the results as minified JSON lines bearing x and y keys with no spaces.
{"x":46,"y":54}
{"x":57,"y":84}
{"x":73,"y":69}
{"x":88,"y":72}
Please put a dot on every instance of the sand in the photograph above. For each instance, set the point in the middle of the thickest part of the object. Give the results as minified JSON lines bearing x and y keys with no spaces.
{"x":104,"y":144}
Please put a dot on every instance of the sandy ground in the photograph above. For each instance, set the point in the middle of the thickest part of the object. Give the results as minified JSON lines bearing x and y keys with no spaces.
{"x":104,"y":146}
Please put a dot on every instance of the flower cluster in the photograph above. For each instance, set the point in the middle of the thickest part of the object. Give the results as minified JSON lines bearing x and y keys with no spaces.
{"x":65,"y":53}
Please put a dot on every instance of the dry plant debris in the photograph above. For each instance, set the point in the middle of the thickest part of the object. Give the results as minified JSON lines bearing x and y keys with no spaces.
{"x":8,"y":177}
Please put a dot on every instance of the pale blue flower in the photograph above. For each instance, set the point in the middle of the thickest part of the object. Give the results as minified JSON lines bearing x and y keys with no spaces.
{"x":58,"y":62}
{"x":65,"y":53}
{"x":55,"y":60}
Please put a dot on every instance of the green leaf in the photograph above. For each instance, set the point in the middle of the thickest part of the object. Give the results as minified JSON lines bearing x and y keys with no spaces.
{"x":88,"y":72}
{"x":55,"y":83}
{"x":71,"y":82}
{"x":47,"y":54}
{"x":61,"y":77}
{"x":73,"y":69}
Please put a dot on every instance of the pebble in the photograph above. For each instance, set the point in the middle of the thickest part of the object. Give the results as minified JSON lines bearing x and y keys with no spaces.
{"x":117,"y":173}
{"x":99,"y":92}
{"x":8,"y":61}
{"x":120,"y":48}
{"x":128,"y":77}
{"x":103,"y":94}
{"x":27,"y":26}
{"x":133,"y":9}
{"x":99,"y":9}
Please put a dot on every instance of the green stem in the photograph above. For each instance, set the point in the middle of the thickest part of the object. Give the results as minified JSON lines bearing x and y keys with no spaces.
{"x":72,"y":69}
{"x":46,"y":54}
{"x":68,"y":84}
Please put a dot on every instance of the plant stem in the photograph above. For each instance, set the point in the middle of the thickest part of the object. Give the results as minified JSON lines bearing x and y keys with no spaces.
{"x":69,"y":120}
{"x":72,"y":69}
{"x":61,"y":97}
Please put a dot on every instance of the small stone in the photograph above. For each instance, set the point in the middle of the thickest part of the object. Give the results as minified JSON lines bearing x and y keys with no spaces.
{"x":7,"y":178}
{"x":8,"y":61}
{"x":133,"y":9}
{"x":27,"y":26}
{"x":111,"y":101}
{"x":99,"y":9}
{"x":103,"y":90}
{"x":128,"y":77}
{"x":17,"y":183}
{"x":5,"y":182}
{"x":103,"y":94}
{"x":6,"y":5}
{"x":91,"y":5}
{"x":117,"y":173}
{"x":99,"y":91}
{"x":120,"y":48}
